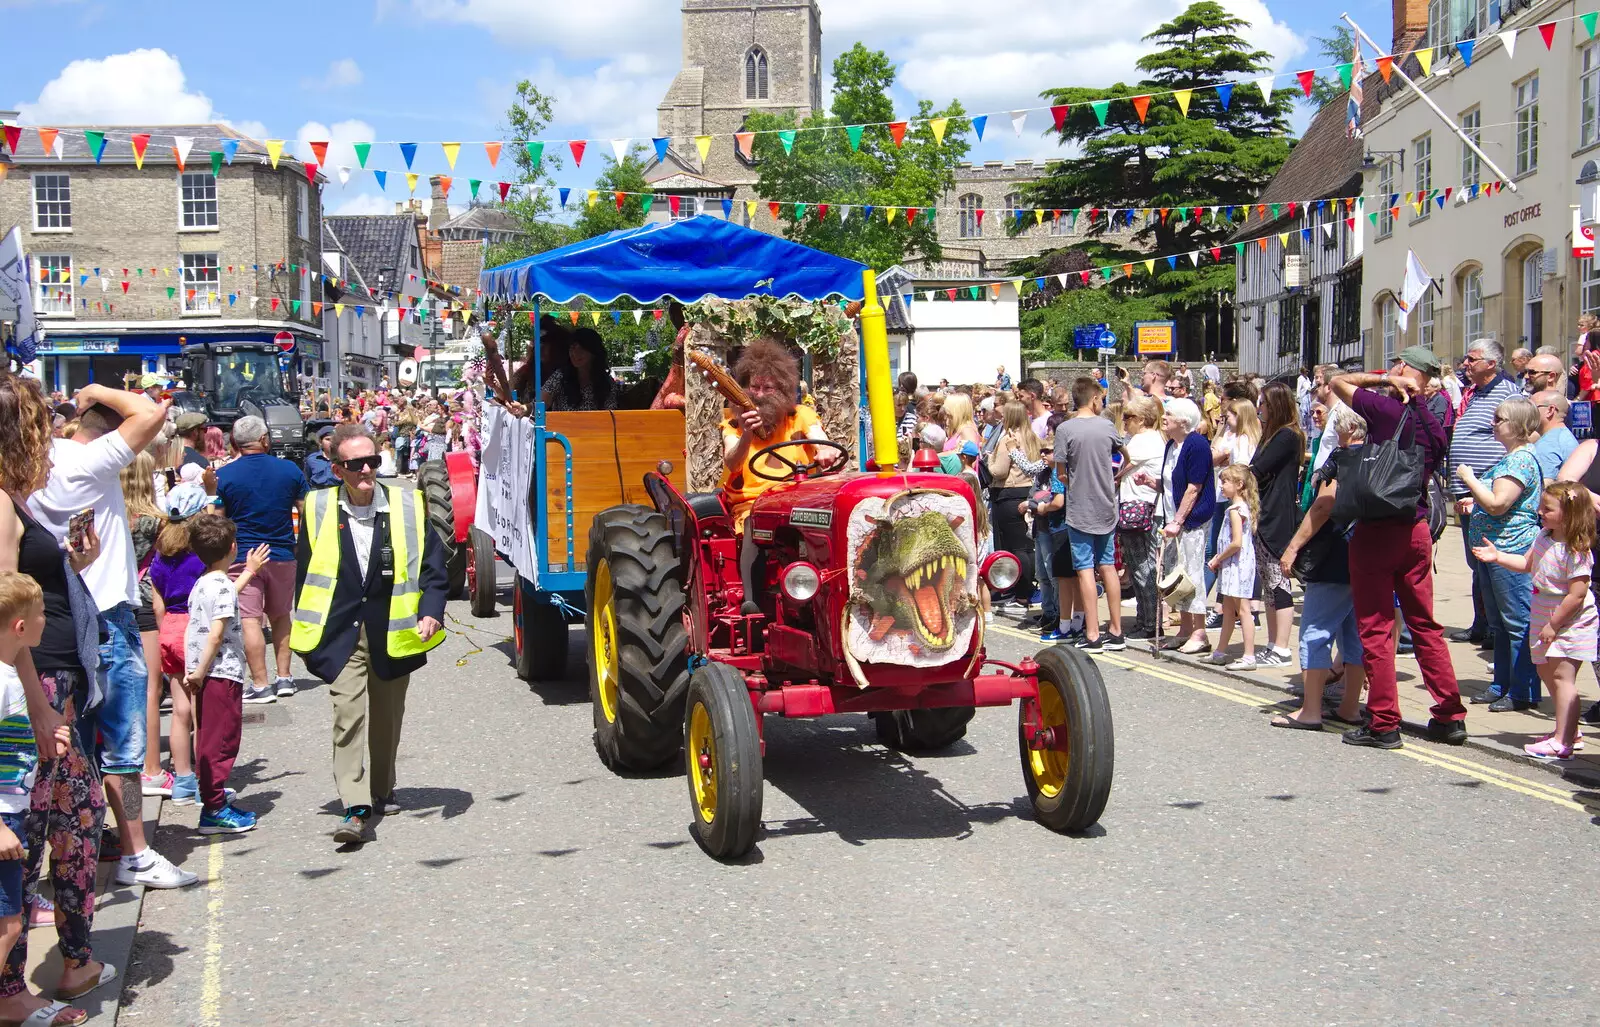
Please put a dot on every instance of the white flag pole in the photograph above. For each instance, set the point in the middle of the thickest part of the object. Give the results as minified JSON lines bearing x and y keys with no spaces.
{"x":1466,"y":139}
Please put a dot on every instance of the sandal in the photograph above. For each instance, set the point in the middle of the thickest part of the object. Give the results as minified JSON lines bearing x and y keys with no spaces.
{"x":50,"y":1016}
{"x":1548,"y":749}
{"x":1295,"y":725}
{"x":108,"y":973}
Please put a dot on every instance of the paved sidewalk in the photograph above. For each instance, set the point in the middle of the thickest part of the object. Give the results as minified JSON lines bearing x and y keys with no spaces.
{"x":1502,"y":733}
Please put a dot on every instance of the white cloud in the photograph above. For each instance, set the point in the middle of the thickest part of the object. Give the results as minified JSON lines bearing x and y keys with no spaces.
{"x":616,"y":100}
{"x":364,"y":203}
{"x":253,"y":129}
{"x":341,"y":74}
{"x":591,"y":28}
{"x":141,"y":86}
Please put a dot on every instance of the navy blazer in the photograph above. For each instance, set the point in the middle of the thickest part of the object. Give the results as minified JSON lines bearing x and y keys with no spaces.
{"x":1193,"y":467}
{"x":356,"y":603}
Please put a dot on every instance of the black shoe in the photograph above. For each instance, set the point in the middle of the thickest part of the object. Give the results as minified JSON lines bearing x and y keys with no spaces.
{"x":1142,"y":635}
{"x":1484,"y":644}
{"x":1091,"y":646}
{"x":1592,"y":714}
{"x":1488,"y":695}
{"x":1506,"y":704}
{"x":1466,"y":635}
{"x":1074,"y":637}
{"x":1364,"y":735}
{"x":1112,"y":643}
{"x":1450,"y":732}
{"x":1213,"y":621}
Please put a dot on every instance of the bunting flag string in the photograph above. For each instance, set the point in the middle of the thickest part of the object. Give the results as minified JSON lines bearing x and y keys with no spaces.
{"x":1183,"y":97}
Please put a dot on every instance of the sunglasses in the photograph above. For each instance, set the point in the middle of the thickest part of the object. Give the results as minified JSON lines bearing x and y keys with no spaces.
{"x":361,"y":463}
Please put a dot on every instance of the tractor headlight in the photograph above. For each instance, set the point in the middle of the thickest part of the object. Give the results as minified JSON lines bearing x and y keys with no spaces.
{"x":800,"y":581}
{"x":1000,"y":571}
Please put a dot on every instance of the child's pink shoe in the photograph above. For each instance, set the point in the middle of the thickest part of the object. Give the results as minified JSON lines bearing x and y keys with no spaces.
{"x":1548,"y":749}
{"x":1577,"y":743}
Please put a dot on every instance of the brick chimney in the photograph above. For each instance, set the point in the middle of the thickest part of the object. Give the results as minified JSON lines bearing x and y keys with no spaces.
{"x":439,"y":209}
{"x":1409,"y":16}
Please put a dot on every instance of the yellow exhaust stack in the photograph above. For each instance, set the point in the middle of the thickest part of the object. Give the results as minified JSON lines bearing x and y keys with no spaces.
{"x":880,"y":390}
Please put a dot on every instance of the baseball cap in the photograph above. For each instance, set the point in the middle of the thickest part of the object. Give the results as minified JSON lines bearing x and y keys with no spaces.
{"x":933,"y":435}
{"x":184,"y":501}
{"x":324,"y":431}
{"x":1421,"y":358}
{"x":189,"y":421}
{"x":149,"y":380}
{"x":968,"y":448}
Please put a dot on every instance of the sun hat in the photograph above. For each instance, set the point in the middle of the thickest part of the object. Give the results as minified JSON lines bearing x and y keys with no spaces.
{"x":184,"y":501}
{"x":1176,"y":588}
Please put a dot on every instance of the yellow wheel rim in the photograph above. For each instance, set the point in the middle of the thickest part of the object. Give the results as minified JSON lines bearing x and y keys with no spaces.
{"x":603,"y":639}
{"x":703,"y":763}
{"x":1049,"y":766}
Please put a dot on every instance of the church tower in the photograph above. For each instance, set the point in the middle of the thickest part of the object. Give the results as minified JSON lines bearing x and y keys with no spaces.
{"x":739,"y":56}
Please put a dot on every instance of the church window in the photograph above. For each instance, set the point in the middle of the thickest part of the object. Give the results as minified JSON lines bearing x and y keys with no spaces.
{"x":755,"y":74}
{"x":970,"y":227}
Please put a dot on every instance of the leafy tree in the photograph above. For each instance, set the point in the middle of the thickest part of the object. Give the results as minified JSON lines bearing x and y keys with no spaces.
{"x":1339,"y":48}
{"x":824,"y":167}
{"x":1217,"y":155}
{"x":527,"y":118}
{"x":625,"y":177}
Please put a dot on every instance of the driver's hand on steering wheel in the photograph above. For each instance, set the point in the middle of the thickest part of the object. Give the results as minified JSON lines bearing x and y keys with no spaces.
{"x":750,"y":422}
{"x":827,"y":457}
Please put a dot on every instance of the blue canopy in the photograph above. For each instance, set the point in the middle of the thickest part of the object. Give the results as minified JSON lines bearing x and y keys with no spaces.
{"x":682,"y":260}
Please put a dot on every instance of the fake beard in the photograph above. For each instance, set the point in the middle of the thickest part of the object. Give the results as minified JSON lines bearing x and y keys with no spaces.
{"x":774,"y":408}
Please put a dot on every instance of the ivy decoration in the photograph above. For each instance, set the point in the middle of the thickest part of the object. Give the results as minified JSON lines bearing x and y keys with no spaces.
{"x":817,"y":329}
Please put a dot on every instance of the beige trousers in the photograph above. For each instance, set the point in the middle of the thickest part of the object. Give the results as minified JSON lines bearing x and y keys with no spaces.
{"x":367,"y":712}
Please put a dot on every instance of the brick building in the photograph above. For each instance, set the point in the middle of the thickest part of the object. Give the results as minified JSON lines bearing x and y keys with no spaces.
{"x":137,"y":261}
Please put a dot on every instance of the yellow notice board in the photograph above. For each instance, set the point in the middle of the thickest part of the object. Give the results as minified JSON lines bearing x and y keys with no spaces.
{"x":1156,"y":338}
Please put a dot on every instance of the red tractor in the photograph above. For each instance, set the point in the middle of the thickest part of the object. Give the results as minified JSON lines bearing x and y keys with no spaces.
{"x":865,"y":601}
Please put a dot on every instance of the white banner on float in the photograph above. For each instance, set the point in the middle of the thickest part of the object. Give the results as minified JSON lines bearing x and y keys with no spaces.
{"x":505,"y":470}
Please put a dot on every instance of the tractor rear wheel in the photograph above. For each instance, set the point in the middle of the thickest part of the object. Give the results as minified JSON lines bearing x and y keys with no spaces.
{"x":638,"y":645}
{"x":482,"y":577}
{"x":434,"y":481}
{"x":1070,"y":782}
{"x":722,"y":751}
{"x":923,"y":730}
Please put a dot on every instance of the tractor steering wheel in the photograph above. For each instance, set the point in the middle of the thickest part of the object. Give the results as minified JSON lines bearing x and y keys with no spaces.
{"x":796,"y":470}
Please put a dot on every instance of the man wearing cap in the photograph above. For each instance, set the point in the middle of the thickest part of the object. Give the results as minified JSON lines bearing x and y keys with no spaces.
{"x":261,"y":493}
{"x":319,"y":464}
{"x":153,"y":385}
{"x":191,"y":428}
{"x":1397,"y":560}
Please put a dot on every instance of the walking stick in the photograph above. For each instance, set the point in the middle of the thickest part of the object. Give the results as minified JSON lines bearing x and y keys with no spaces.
{"x":1161,"y":601}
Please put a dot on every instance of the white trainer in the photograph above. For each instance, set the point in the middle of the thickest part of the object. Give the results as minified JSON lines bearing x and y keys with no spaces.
{"x":158,"y":873}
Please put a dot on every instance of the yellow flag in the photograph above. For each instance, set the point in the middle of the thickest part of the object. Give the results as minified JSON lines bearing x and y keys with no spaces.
{"x":750,"y":209}
{"x":1182,"y":96}
{"x":703,"y":144}
{"x":1283,"y":238}
{"x":1425,"y":59}
{"x":594,"y":318}
{"x":466,"y":318}
{"x":1038,"y":215}
{"x":938,"y":126}
{"x":594,"y":195}
{"x":450,"y":152}
{"x":338,"y":310}
{"x":274,"y":151}
{"x":890,"y":212}
{"x":1150,"y":267}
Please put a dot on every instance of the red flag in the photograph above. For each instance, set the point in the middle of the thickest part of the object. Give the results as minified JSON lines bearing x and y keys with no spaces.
{"x":1060,"y":112}
{"x":822,"y":212}
{"x":1085,"y":276}
{"x":1548,"y":31}
{"x":191,"y":295}
{"x":1350,"y":223}
{"x":1292,"y":205}
{"x":657,"y":313}
{"x":980,"y":218}
{"x":275,"y":303}
{"x":13,"y":136}
{"x":620,"y":195}
{"x":911,"y":214}
{"x":505,"y":187}
{"x":1216,"y":253}
{"x":773,"y":209}
{"x":897,"y":129}
{"x":493,"y":150}
{"x":320,"y":149}
{"x":950,"y":293}
{"x":532,"y":317}
{"x":124,"y":286}
{"x":672,"y":201}
{"x":1141,"y":105}
{"x":140,"y":141}
{"x":1307,"y":79}
{"x":578,"y":146}
{"x":311,"y":173}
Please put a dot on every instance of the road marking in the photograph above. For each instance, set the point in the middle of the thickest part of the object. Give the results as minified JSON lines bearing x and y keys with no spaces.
{"x":1563,"y":797}
{"x":211,"y":977}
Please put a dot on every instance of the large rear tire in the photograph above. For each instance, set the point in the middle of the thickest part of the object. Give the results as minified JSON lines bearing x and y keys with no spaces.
{"x":482,"y":576}
{"x":434,"y":481}
{"x":923,"y":730}
{"x":1069,"y":786}
{"x":638,"y":658}
{"x":722,"y":753}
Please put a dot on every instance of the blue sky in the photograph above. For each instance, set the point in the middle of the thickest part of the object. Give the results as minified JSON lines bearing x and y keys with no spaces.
{"x":433,"y":70}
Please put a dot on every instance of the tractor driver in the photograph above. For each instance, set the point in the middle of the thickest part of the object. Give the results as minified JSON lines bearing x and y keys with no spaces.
{"x":771,"y":376}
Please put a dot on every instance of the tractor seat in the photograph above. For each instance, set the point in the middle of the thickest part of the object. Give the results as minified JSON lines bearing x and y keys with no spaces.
{"x":707,"y":504}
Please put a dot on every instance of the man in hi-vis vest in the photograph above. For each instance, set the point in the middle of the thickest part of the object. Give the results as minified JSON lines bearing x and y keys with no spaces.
{"x":370,"y":593}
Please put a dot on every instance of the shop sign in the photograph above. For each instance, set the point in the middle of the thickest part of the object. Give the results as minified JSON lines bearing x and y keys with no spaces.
{"x":1517,"y":217}
{"x":59,"y":346}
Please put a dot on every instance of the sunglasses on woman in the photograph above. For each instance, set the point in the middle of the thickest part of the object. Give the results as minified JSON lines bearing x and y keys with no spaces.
{"x":358,"y":464}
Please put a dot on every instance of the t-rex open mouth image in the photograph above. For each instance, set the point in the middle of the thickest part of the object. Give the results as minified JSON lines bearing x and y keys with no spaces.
{"x":912,"y":572}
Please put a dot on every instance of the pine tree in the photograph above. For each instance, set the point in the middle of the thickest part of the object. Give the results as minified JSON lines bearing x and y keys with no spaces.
{"x":1219,"y":154}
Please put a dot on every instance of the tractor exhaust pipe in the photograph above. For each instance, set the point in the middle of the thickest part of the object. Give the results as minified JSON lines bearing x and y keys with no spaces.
{"x":875,"y":360}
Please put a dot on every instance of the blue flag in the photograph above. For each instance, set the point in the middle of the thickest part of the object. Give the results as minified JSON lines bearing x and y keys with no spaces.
{"x":661,"y":147}
{"x":1225,"y":94}
{"x":978,"y":125}
{"x":229,"y":148}
{"x":409,"y":152}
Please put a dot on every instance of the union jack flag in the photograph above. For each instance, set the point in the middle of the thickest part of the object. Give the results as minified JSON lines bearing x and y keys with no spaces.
{"x":1352,"y":128}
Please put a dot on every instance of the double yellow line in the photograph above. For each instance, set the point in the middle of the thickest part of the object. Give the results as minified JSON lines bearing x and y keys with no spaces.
{"x":1563,"y":797}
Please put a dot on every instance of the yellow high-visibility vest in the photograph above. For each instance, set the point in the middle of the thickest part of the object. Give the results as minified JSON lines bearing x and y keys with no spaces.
{"x":407,"y":522}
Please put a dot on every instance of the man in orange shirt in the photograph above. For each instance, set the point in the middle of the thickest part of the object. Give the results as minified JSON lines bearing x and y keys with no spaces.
{"x":771,"y":376}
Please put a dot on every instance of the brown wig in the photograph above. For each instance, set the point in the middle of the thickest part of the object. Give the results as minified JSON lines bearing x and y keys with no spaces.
{"x":769,"y":359}
{"x":24,"y":435}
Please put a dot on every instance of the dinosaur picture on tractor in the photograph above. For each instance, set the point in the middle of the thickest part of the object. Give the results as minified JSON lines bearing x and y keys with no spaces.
{"x":757,"y":556}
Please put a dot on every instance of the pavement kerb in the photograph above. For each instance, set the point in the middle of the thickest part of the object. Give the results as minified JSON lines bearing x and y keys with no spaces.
{"x":1575,"y":775}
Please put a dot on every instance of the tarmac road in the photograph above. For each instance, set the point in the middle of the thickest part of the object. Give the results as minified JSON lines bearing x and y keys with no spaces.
{"x":1239,"y":874}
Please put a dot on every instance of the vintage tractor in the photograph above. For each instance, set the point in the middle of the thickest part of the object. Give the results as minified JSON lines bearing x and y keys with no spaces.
{"x":863,"y":601}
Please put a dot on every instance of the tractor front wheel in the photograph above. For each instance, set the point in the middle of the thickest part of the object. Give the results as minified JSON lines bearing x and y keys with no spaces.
{"x":638,"y":658}
{"x":1068,"y":774}
{"x":923,"y":730}
{"x":722,"y":750}
{"x":434,"y":481}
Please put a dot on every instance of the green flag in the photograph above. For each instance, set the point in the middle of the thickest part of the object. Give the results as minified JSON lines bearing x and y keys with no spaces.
{"x":216,"y":163}
{"x":171,"y":291}
{"x":1100,"y":109}
{"x":362,"y":149}
{"x":1588,"y":22}
{"x":647,"y":201}
{"x":799,"y":208}
{"x":535,"y":151}
{"x":294,"y":308}
{"x":1238,"y":249}
{"x":788,"y":140}
{"x":1344,"y":74}
{"x":474,"y":182}
{"x":97,"y":143}
{"x":854,"y":132}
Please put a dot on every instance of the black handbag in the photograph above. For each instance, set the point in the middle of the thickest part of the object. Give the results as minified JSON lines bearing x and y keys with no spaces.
{"x":1380,"y":482}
